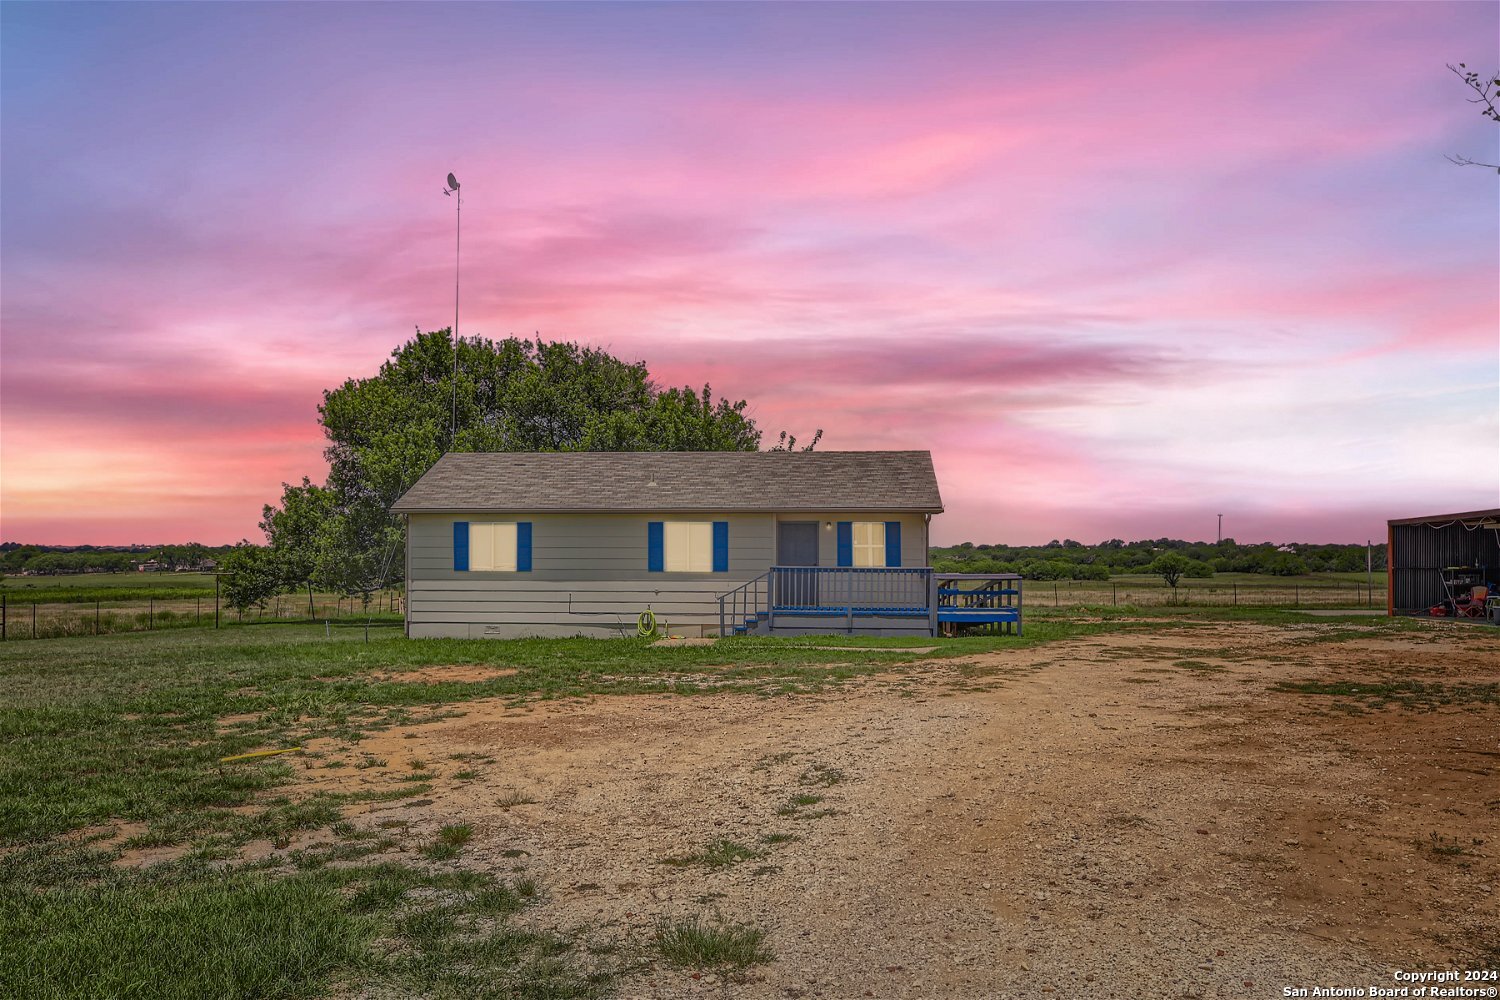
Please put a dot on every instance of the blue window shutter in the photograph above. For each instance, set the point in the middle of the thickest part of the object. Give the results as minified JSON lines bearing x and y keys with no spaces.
{"x":721,"y":546}
{"x":893,"y":543}
{"x":461,"y":546}
{"x":655,"y":555}
{"x":846,"y":543}
{"x":523,"y":546}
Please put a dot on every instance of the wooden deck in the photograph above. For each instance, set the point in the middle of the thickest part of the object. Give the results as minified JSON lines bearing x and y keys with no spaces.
{"x":811,"y":600}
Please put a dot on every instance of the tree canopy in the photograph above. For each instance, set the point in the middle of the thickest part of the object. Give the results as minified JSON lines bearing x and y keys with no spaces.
{"x":1170,"y":566}
{"x":252,"y":576}
{"x":385,"y":431}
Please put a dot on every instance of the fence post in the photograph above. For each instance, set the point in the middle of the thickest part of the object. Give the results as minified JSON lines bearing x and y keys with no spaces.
{"x":3,"y":610}
{"x":1054,"y":593}
{"x":96,"y":617}
{"x":1236,"y":587}
{"x":1114,"y":597}
{"x":198,"y":614}
{"x":150,"y":613}
{"x":33,"y":619}
{"x":217,"y":578}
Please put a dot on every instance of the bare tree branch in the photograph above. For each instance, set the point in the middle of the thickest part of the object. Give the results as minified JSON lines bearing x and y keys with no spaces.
{"x":1488,"y":89}
{"x":1464,"y":161}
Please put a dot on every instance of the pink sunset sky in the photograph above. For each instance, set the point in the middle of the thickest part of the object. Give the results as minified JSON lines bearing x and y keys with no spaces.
{"x":1119,"y":267}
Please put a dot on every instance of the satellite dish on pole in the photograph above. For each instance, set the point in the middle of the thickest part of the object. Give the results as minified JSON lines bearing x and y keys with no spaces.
{"x":452,"y":183}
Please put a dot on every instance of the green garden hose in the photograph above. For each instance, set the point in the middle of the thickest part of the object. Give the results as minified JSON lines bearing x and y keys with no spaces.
{"x":646,"y":624}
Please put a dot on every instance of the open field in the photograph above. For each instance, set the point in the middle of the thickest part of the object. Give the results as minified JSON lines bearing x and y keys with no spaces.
{"x":1207,"y":804}
{"x":70,"y":587}
{"x":1249,"y":590}
{"x":82,"y":604}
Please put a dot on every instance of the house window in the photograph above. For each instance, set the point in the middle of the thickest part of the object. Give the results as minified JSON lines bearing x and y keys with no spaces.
{"x":688,"y":546}
{"x":492,"y":547}
{"x":869,"y":543}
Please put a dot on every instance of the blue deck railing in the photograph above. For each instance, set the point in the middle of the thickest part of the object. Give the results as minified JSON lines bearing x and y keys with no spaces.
{"x":850,"y":592}
{"x":827,"y":592}
{"x":858,"y":594}
{"x":979,"y":599}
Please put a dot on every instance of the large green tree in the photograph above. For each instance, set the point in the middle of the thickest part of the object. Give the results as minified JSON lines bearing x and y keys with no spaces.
{"x":385,"y":431}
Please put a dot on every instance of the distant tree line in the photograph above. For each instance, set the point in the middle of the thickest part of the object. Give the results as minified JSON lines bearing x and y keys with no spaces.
{"x":46,"y":560}
{"x":1071,"y":560}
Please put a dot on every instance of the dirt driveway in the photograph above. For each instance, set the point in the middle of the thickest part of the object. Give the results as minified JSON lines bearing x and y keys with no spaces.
{"x":1137,"y":814}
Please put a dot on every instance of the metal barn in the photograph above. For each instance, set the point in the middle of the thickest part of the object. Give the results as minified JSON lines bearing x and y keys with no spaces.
{"x":1420,"y":549}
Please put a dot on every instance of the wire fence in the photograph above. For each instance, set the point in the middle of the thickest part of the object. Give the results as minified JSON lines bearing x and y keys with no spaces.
{"x":1206,"y":593}
{"x":42,"y":620}
{"x":54,"y":620}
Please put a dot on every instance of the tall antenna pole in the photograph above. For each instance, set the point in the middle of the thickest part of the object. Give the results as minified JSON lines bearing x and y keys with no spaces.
{"x":1221,"y":527}
{"x":458,"y":230}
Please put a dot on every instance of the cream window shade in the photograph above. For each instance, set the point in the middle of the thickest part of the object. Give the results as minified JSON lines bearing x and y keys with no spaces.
{"x":689,"y":546}
{"x":492,"y":547}
{"x":869,"y":543}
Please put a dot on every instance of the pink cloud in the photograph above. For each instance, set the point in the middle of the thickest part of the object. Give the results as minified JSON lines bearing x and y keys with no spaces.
{"x":999,"y":232}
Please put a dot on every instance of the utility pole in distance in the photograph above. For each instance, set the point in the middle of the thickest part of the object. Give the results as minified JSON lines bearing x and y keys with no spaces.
{"x":1221,"y":527}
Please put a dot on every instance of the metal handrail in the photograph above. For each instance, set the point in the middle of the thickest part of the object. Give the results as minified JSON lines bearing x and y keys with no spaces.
{"x":739,"y":600}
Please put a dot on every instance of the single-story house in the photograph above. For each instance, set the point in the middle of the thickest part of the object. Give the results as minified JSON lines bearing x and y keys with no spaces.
{"x":580,"y":543}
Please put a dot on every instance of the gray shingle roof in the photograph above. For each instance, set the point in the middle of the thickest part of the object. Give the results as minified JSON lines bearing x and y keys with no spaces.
{"x":677,"y":481}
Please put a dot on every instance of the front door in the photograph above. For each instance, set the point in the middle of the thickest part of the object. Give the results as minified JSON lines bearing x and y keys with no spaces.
{"x":797,"y":545}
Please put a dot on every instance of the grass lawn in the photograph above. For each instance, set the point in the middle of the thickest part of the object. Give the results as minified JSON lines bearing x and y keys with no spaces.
{"x":127,"y":727}
{"x":130,"y":728}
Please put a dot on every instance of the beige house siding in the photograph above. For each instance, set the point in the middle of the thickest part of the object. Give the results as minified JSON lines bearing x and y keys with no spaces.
{"x":589,"y":574}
